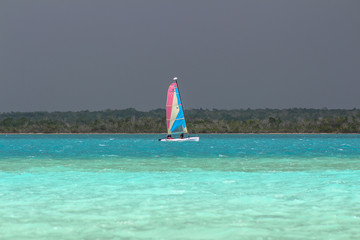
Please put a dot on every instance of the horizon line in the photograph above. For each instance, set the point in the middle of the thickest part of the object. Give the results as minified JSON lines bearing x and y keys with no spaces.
{"x":201,"y":109}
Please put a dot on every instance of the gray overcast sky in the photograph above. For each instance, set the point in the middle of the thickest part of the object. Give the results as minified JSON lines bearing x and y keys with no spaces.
{"x":95,"y":55}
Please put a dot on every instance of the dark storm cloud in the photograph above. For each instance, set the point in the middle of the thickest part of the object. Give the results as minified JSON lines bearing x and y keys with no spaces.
{"x":74,"y":55}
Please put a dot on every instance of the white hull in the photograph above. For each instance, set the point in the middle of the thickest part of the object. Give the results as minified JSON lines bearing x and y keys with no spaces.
{"x":192,"y":139}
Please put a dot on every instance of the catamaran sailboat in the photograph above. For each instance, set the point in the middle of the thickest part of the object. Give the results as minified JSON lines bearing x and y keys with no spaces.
{"x":175,"y":118}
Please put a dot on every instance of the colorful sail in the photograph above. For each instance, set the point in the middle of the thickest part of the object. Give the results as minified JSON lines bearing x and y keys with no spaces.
{"x":175,"y":119}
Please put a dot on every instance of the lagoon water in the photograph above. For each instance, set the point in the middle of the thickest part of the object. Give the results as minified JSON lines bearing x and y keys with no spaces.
{"x":223,"y":187}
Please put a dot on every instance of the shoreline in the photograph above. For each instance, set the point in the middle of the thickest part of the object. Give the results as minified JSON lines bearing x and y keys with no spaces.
{"x":166,"y":133}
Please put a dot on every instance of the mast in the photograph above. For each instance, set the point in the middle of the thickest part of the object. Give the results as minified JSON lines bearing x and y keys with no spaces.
{"x":175,"y":79}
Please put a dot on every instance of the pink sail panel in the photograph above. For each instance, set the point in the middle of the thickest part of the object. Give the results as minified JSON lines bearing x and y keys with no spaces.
{"x":169,"y":102}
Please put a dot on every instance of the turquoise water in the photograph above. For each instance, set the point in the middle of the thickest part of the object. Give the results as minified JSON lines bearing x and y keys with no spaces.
{"x":223,"y":187}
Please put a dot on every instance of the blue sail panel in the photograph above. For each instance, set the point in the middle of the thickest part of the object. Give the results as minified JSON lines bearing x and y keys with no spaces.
{"x":178,"y":96}
{"x":180,"y":121}
{"x":181,"y":112}
{"x":179,"y":124}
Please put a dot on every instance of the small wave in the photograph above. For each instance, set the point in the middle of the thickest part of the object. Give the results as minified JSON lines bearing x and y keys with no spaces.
{"x":102,"y":145}
{"x":229,"y":181}
{"x":179,"y":192}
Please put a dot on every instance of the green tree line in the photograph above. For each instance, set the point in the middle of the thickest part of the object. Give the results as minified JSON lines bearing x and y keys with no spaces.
{"x":295,"y":120}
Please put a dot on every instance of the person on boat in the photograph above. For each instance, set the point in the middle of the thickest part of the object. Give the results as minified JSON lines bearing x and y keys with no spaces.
{"x":182,"y":136}
{"x":169,"y":137}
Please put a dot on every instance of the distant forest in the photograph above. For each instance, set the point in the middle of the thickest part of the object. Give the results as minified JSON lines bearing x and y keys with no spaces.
{"x":295,"y":120}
